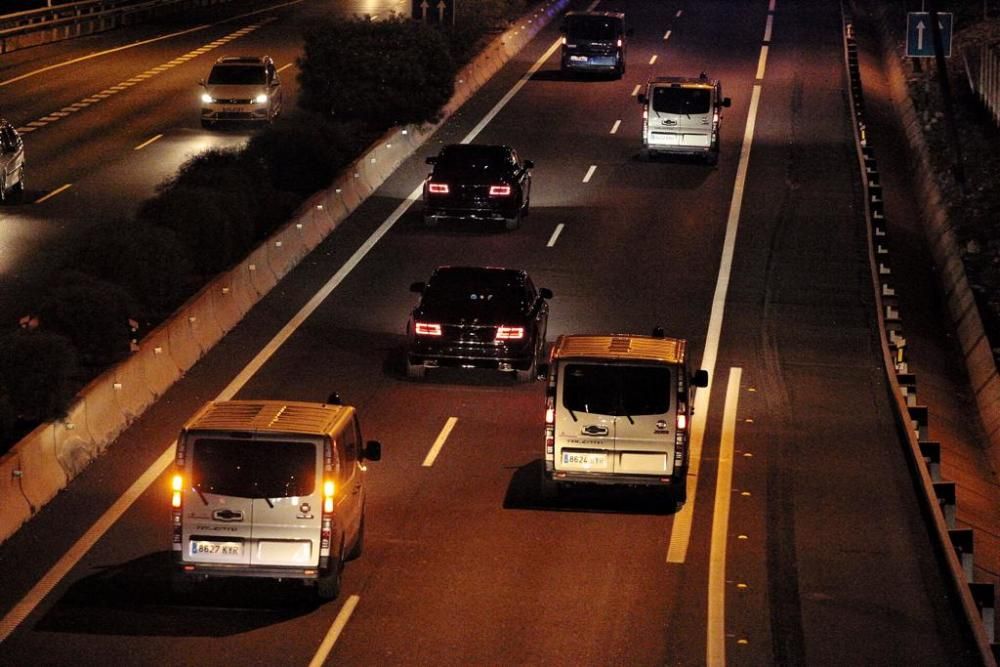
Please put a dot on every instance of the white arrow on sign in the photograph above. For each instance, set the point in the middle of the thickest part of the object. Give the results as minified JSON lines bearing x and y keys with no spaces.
{"x":441,"y":5}
{"x":920,"y":35}
{"x":423,"y":10}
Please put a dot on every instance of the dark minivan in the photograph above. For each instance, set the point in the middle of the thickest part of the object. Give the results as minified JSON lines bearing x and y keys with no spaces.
{"x":594,"y":42}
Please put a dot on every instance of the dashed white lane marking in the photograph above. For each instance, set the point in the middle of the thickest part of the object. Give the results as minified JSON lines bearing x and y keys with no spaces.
{"x":653,"y":59}
{"x":614,"y":128}
{"x":761,"y":62}
{"x":666,"y":35}
{"x":284,"y":67}
{"x":147,"y":142}
{"x":334,"y":632}
{"x":770,"y":6}
{"x":768,"y":28}
{"x":128,"y":83}
{"x":679,"y":13}
{"x":439,"y":443}
{"x":716,"y":631}
{"x":555,"y":235}
{"x":52,"y":194}
{"x":635,"y":91}
{"x":590,"y":172}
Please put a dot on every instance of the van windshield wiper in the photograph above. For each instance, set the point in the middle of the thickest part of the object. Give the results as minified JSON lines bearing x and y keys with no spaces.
{"x":268,"y":501}
{"x":201,"y":494}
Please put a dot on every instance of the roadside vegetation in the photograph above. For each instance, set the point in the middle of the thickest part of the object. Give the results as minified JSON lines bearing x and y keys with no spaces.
{"x":357,"y":79}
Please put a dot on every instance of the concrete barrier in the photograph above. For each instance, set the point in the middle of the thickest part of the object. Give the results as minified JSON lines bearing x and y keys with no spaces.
{"x":53,"y":454}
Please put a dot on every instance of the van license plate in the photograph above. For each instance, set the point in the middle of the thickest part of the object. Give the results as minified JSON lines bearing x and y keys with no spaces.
{"x":586,"y":459}
{"x":578,"y":59}
{"x":204,"y":548}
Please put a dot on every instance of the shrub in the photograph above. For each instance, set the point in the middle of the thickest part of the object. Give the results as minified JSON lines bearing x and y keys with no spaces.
{"x":147,"y":261}
{"x":92,"y":313}
{"x":36,"y":377}
{"x":385,"y":73}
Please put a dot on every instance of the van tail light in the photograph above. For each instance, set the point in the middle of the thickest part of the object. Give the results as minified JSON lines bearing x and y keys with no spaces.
{"x":426,"y":329}
{"x":681,"y":437}
{"x":176,"y":486}
{"x":619,"y":42}
{"x":437,"y":188}
{"x":509,"y":333}
{"x":564,"y":41}
{"x":682,"y":421}
{"x":328,"y":490}
{"x":550,"y":428}
{"x":499,"y":190}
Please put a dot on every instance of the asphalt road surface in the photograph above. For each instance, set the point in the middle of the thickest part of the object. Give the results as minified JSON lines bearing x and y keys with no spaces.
{"x":803,"y":542}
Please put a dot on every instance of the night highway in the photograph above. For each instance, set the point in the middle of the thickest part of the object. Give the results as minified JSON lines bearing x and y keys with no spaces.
{"x":801,"y":542}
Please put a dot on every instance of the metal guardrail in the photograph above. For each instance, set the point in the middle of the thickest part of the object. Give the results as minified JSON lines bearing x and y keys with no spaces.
{"x":50,"y":24}
{"x":976,"y":600}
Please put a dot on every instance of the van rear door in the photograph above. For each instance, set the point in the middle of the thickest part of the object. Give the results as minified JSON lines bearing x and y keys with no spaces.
{"x":584,"y":422}
{"x":681,"y":115}
{"x":644,"y":430}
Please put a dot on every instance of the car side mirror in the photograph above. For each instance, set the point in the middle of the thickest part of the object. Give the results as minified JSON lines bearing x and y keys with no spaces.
{"x":431,"y":160}
{"x":418,"y":287}
{"x":643,"y":100}
{"x":726,"y":101}
{"x":700,"y":378}
{"x":529,"y":164}
{"x":545,"y":292}
{"x":372,"y":451}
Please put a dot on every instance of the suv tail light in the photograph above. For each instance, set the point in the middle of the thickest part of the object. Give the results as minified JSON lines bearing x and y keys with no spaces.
{"x":426,"y":329}
{"x":509,"y":333}
{"x":499,"y":190}
{"x":437,"y":188}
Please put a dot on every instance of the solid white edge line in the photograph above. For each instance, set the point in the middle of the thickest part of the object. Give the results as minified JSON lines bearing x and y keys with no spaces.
{"x":68,"y":561}
{"x":334,"y":632}
{"x":52,"y":194}
{"x":555,"y":235}
{"x":439,"y":442}
{"x":761,"y":62}
{"x":58,"y":571}
{"x":680,"y":535}
{"x":715,"y":651}
{"x":614,"y":128}
{"x":147,"y":142}
{"x":590,"y":172}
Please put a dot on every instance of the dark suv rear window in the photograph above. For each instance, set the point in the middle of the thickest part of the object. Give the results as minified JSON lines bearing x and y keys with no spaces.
{"x":681,"y":100}
{"x":616,"y":389}
{"x":254,"y":468}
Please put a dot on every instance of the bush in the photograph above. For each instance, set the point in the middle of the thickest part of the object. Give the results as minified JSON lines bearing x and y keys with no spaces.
{"x":147,"y":261}
{"x":385,"y":73}
{"x":92,"y":313}
{"x":36,"y":377}
{"x":214,"y":226}
{"x":304,"y":156}
{"x":477,"y":19}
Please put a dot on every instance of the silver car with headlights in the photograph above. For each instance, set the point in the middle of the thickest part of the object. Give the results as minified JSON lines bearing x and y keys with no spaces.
{"x":241,"y":89}
{"x":11,"y":163}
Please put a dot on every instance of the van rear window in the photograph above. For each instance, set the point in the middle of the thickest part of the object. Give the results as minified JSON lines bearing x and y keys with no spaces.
{"x":593,"y":28}
{"x":685,"y":101}
{"x":254,"y":468}
{"x":616,"y":389}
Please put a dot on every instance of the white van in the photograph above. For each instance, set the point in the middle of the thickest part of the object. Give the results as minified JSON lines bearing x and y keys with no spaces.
{"x":269,"y":489}
{"x":618,"y":411}
{"x":11,"y":163}
{"x":682,"y":116}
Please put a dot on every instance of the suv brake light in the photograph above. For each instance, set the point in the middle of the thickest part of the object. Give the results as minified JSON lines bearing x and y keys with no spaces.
{"x":499,"y":190}
{"x":437,"y":188}
{"x":426,"y":329}
{"x":509,"y":333}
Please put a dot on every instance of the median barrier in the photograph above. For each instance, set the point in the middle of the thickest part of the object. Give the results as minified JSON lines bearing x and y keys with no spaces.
{"x":15,"y":508}
{"x":42,"y":472}
{"x":132,"y":390}
{"x":159,"y":368}
{"x":53,"y":453}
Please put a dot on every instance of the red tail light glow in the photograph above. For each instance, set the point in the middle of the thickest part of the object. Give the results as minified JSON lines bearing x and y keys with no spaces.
{"x":437,"y":188}
{"x":177,"y":485}
{"x":510,"y":333}
{"x":499,"y":190}
{"x":426,"y":329}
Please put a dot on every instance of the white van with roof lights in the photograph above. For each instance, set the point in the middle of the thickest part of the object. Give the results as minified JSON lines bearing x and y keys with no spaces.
{"x":272,"y":489}
{"x":618,"y":411}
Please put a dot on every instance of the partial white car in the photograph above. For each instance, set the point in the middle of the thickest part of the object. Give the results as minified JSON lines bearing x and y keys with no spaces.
{"x":241,"y":89}
{"x":11,"y":163}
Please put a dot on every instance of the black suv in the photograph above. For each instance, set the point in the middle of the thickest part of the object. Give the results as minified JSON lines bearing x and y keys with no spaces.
{"x":478,"y":317}
{"x":479,"y":182}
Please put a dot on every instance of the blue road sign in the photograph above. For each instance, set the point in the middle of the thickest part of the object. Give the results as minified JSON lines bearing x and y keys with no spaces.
{"x":920,"y":39}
